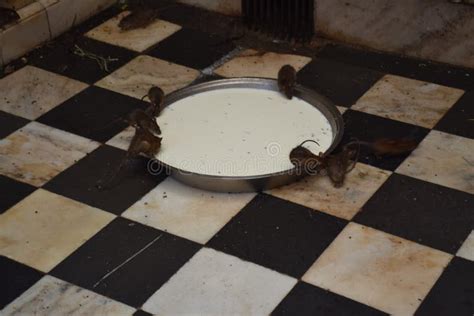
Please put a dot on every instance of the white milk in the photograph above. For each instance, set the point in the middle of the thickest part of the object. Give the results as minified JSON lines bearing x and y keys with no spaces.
{"x":239,"y":132}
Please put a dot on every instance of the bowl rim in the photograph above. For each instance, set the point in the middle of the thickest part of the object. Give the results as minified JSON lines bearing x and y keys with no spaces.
{"x":319,"y":101}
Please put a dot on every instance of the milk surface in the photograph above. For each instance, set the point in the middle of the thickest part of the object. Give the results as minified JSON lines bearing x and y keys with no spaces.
{"x":239,"y":132}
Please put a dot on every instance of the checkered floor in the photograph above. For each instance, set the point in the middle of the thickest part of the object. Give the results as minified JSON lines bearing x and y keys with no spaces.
{"x":397,"y":238}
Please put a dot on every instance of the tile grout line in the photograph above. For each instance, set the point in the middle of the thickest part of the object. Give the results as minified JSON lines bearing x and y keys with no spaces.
{"x":209,"y":70}
{"x":127,"y":260}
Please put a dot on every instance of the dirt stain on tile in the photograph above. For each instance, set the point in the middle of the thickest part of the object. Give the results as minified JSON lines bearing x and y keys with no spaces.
{"x":378,"y":269}
{"x":408,"y":100}
{"x":36,"y":152}
{"x":318,"y":193}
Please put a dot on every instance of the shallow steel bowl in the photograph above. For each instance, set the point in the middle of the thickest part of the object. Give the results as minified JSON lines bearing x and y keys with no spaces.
{"x":264,"y":181}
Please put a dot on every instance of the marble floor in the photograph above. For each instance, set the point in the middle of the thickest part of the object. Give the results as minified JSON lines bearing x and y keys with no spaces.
{"x":397,"y":238}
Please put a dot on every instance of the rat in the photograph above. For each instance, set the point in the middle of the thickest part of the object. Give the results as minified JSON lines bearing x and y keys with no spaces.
{"x":287,"y":80}
{"x":340,"y":164}
{"x":156,"y":96}
{"x":144,"y":143}
{"x":141,"y":119}
{"x":139,"y":18}
{"x":335,"y":165}
{"x":304,"y":160}
{"x":389,"y":146}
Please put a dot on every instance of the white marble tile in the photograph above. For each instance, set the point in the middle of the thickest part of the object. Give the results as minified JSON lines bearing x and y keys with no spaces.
{"x":467,"y":249}
{"x":51,"y":296}
{"x":44,"y":228}
{"x":31,"y":92}
{"x":36,"y":153}
{"x":341,"y":109}
{"x":137,"y":76}
{"x":122,"y":139}
{"x":443,"y":159}
{"x":407,"y":100}
{"x":214,"y":283}
{"x":30,"y":31}
{"x":251,"y":63}
{"x":380,"y":270}
{"x":318,"y":193}
{"x":138,"y":39}
{"x":187,"y":212}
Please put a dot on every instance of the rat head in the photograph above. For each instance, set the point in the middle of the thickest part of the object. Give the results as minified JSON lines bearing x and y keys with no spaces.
{"x":127,"y":22}
{"x":336,"y":170}
{"x":299,"y":155}
{"x":287,"y":71}
{"x":287,"y":80}
{"x":156,"y":95}
{"x":305,"y":161}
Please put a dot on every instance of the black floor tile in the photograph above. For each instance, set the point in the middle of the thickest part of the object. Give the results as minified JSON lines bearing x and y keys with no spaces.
{"x":107,"y":249}
{"x":80,"y":181}
{"x":192,"y":48}
{"x":16,"y":278}
{"x":10,"y":123}
{"x":368,"y":127}
{"x":139,"y":279}
{"x":141,"y":313}
{"x":305,"y":299}
{"x":457,"y":77}
{"x":184,"y":15}
{"x":59,"y":56}
{"x":13,"y":192}
{"x":146,"y":258}
{"x":278,"y":234}
{"x":453,"y":294}
{"x":420,"y":211}
{"x":460,"y":118}
{"x":93,"y":113}
{"x":342,"y":83}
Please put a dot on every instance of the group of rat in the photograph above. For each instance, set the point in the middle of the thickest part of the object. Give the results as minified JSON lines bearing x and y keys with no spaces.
{"x":147,"y":140}
{"x":337,"y":165}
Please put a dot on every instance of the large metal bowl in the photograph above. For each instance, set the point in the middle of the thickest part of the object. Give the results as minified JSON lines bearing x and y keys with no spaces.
{"x":264,"y":181}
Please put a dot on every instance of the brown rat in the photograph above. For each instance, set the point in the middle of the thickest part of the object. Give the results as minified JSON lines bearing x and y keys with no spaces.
{"x":139,"y":18}
{"x":156,"y":96}
{"x":336,"y":165}
{"x":304,"y":160}
{"x":389,"y":146}
{"x":144,"y":143}
{"x":340,"y":164}
{"x":287,"y":80}
{"x":141,"y":119}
